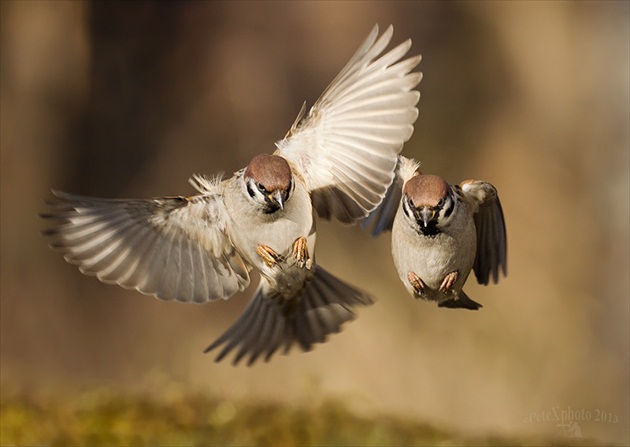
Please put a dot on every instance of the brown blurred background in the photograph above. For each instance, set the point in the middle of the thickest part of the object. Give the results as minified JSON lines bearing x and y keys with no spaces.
{"x":129,"y":99}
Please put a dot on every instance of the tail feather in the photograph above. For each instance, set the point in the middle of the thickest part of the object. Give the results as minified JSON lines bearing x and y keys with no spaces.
{"x":236,"y":332}
{"x":311,"y":325}
{"x":273,"y":340}
{"x":462,"y":302}
{"x":324,"y":309}
{"x":269,"y":323}
{"x":258,"y":320}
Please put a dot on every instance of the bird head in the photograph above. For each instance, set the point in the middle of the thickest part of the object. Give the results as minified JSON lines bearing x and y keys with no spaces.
{"x":269,"y":182}
{"x":428,"y":202}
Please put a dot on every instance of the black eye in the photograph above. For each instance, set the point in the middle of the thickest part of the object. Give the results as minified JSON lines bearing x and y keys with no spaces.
{"x":261,"y":187}
{"x":441,"y":203}
{"x":289,"y":191}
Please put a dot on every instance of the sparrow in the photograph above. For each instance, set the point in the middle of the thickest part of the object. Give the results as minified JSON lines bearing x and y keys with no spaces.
{"x":337,"y":161}
{"x":440,"y":232}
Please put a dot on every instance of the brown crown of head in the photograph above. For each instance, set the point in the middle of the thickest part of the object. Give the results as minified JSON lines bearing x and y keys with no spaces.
{"x":271,"y":170}
{"x":426,"y":190}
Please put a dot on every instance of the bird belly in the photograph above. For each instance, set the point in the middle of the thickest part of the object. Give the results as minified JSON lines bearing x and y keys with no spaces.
{"x":277,"y":231}
{"x":287,"y":277}
{"x":432,"y":258}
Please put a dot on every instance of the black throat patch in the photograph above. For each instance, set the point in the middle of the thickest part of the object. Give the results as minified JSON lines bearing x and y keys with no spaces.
{"x":431,"y":230}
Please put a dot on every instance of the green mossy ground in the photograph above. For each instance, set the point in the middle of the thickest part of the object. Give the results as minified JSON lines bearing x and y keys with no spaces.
{"x":116,"y":419}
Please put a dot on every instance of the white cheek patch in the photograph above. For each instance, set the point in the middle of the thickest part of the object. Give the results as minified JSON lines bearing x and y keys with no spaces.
{"x":448,"y":209}
{"x":254,"y":192}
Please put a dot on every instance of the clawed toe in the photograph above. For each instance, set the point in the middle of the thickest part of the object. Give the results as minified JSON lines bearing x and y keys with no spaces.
{"x":269,"y":256}
{"x":448,"y":282}
{"x":416,"y":283}
{"x":300,"y":253}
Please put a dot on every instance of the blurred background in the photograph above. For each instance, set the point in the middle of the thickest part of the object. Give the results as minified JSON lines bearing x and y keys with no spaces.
{"x":129,"y":99}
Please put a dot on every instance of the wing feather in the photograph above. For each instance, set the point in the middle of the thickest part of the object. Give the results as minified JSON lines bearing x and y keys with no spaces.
{"x":491,"y":257}
{"x":175,"y":248}
{"x":382,"y":218}
{"x":137,"y":259}
{"x":354,"y":132}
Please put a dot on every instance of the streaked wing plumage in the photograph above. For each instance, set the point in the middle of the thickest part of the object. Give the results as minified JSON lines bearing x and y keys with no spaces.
{"x":491,"y":258}
{"x":382,"y":218}
{"x":174,"y":248}
{"x":346,"y":147}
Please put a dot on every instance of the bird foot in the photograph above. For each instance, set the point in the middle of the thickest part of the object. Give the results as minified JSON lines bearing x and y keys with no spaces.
{"x":269,"y":256}
{"x":300,"y":253}
{"x":448,"y":282}
{"x":416,"y":283}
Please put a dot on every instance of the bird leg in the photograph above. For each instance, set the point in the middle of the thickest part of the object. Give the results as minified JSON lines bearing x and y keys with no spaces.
{"x":448,"y":281}
{"x":300,"y":253}
{"x":270,"y":257}
{"x":416,"y":283}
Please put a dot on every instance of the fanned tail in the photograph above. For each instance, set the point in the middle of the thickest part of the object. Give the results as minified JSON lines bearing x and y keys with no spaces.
{"x":271,"y":323}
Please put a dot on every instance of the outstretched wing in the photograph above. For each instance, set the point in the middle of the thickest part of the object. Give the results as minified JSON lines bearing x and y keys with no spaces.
{"x":175,"y":248}
{"x":491,"y":236}
{"x":346,"y":146}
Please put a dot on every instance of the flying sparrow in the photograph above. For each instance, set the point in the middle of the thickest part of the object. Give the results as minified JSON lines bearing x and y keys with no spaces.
{"x":441,"y":232}
{"x":338,"y":160}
